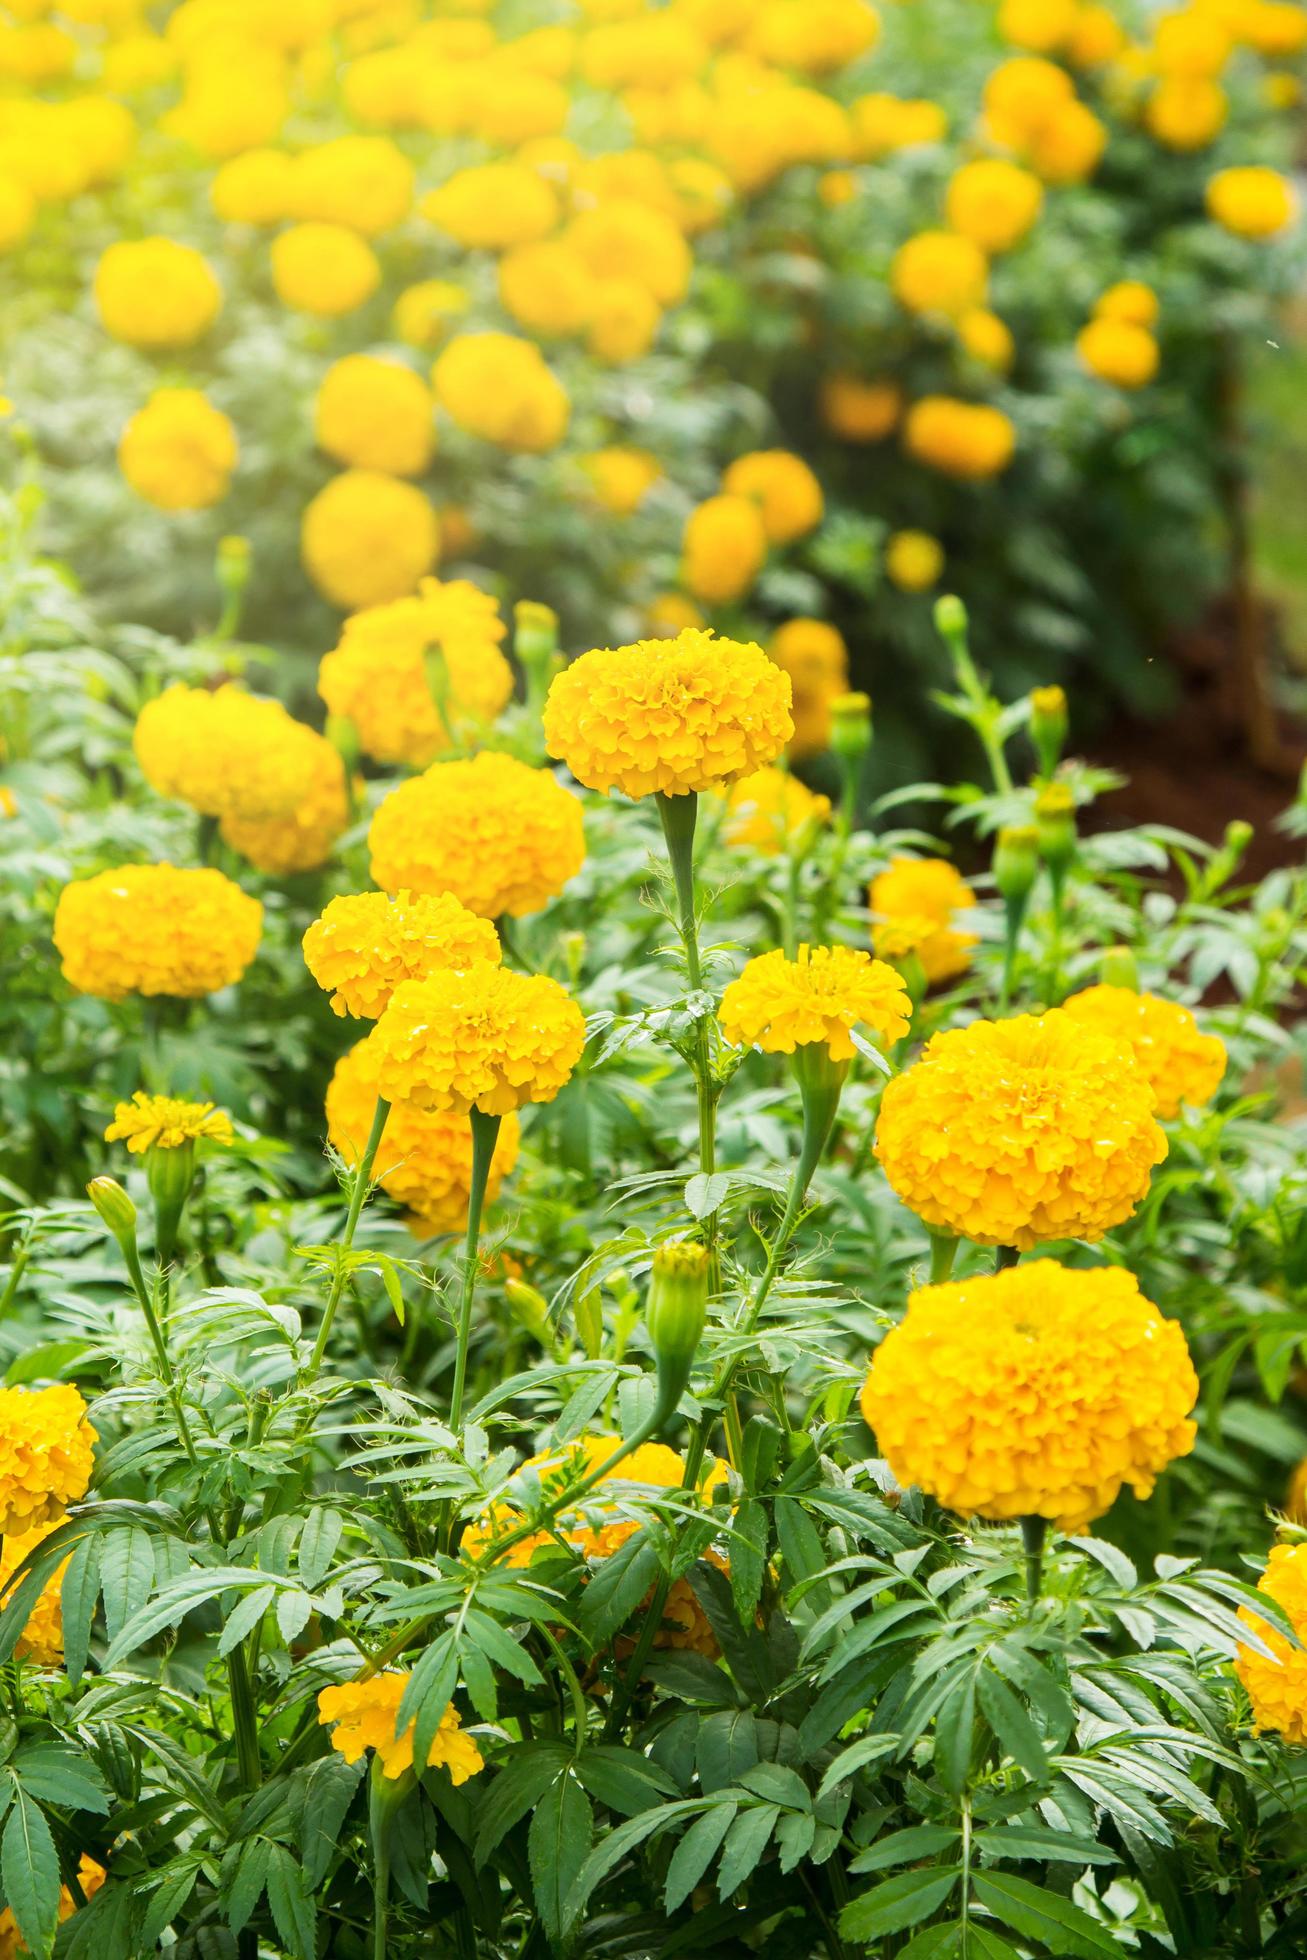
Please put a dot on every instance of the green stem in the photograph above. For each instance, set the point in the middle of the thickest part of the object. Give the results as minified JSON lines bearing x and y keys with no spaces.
{"x":485,"y":1135}
{"x":1005,"y":1256}
{"x":358,"y":1192}
{"x":790,"y":914}
{"x":943,"y":1251}
{"x":1034,"y":1532}
{"x":678,"y":815}
{"x":1015,"y":914}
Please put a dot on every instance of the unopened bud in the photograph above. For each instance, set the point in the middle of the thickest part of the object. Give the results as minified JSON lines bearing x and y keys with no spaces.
{"x":850,"y":725}
{"x":535,"y":634}
{"x":115,"y":1208}
{"x":1048,"y":725}
{"x":674,"y":1313}
{"x":233,"y":563}
{"x":951,"y":618}
{"x":1016,"y":862}
{"x":589,"y":1316}
{"x":1055,"y":817}
{"x":344,"y":738}
{"x":529,"y":1308}
{"x":1117,"y":968}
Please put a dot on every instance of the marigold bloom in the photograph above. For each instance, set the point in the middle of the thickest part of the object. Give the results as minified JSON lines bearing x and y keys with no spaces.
{"x":913,"y":560}
{"x":691,"y":713}
{"x":1185,"y":112}
{"x":621,"y":477}
{"x":766,"y":810}
{"x":857,"y":410}
{"x":1117,"y":351}
{"x":424,"y":1159}
{"x":785,"y":490}
{"x":963,"y":439}
{"x":884,"y":123}
{"x":486,"y":1039}
{"x":987,"y":338}
{"x":993,"y":202}
{"x":363,"y":945}
{"x":166,"y":1123}
{"x":152,"y":929}
{"x":423,"y":314}
{"x":1130,"y":300}
{"x":1067,"y":148}
{"x":1015,"y":1132}
{"x":498,"y":387}
{"x":1251,"y":202}
{"x":725,"y":548}
{"x":362,"y":182}
{"x":46,"y":1457}
{"x":624,"y":321}
{"x":812,"y":652}
{"x":376,"y":415}
{"x":179,"y":450}
{"x":1182,"y":1064}
{"x":366,"y":538}
{"x":304,"y":839}
{"x":226,"y":753}
{"x":622,"y":238}
{"x":254,"y":188}
{"x":1277,"y":1688}
{"x":913,"y":903}
{"x":779,"y":1004}
{"x":939,"y":272}
{"x":547,"y":287}
{"x":42,"y":1637}
{"x":1036,"y":1392}
{"x":500,"y":836}
{"x":153,"y":292}
{"x":492,"y":206}
{"x":366,"y":1713}
{"x":323,"y":269}
{"x":1042,"y":25}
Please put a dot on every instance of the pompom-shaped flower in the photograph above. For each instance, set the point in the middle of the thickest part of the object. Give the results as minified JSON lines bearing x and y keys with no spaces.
{"x":166,"y":1123}
{"x":676,"y":715}
{"x":768,"y":809}
{"x":375,"y":415}
{"x":724,"y":548}
{"x":993,"y":202}
{"x":393,"y":660}
{"x":486,"y":1039}
{"x":779,"y":1004}
{"x":1041,"y":1391}
{"x":914,"y":902}
{"x":858,"y":410}
{"x":366,"y":538}
{"x":46,"y":1459}
{"x":226,"y":753}
{"x":153,"y":292}
{"x":1014,"y":1132}
{"x":623,"y":238}
{"x":1251,"y":201}
{"x":1277,"y":1688}
{"x":323,"y":269}
{"x":424,"y":1159}
{"x":493,"y":206}
{"x":179,"y":450}
{"x":785,"y":490}
{"x":962,"y":439}
{"x":365,"y":1714}
{"x":362,"y":182}
{"x":42,"y":1637}
{"x":302,"y":840}
{"x":364,"y":945}
{"x":621,"y":477}
{"x":939,"y":272}
{"x":812,"y":652}
{"x":1118,"y":351}
{"x":1130,"y":300}
{"x":913,"y":560}
{"x":254,"y":188}
{"x":1182,"y":1064}
{"x":500,"y":836}
{"x":499,"y":387}
{"x":152,"y":929}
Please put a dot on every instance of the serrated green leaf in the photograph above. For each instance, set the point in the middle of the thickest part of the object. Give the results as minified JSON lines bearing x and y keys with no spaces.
{"x":29,"y":1868}
{"x":899,"y":1902}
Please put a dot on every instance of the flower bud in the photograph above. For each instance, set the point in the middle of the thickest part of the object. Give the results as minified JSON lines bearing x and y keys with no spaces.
{"x":1055,"y":817}
{"x":674,"y":1313}
{"x":233,"y":564}
{"x":115,"y":1208}
{"x":951,"y":618}
{"x":588,"y":1314}
{"x":529,"y":1308}
{"x":169,"y":1173}
{"x":850,"y":726}
{"x":1048,"y":725}
{"x":1117,"y":969}
{"x":344,"y":738}
{"x":535,"y":633}
{"x":1016,"y":862}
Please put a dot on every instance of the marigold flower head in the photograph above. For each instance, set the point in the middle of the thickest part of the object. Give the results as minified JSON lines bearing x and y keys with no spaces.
{"x":152,"y":929}
{"x":42,"y":1637}
{"x":1182,"y":1064}
{"x":987,"y":338}
{"x":624,"y":321}
{"x":724,"y":548}
{"x":304,"y":839}
{"x":178,"y":452}
{"x":779,"y":1004}
{"x":623,"y":238}
{"x":785,"y":490}
{"x":1277,"y":1688}
{"x":691,"y":713}
{"x":500,"y":836}
{"x":362,"y":182}
{"x":1251,"y":201}
{"x":254,"y":188}
{"x":913,"y":560}
{"x":914,"y":902}
{"x":1037,"y":1392}
{"x":225,"y":752}
{"x":499,"y":387}
{"x":153,"y":292}
{"x":812,"y":652}
{"x":46,"y":1458}
{"x":768,"y":809}
{"x":547,"y":288}
{"x":366,"y":538}
{"x":1131,"y":300}
{"x":963,"y":439}
{"x":423,"y":314}
{"x":939,"y":272}
{"x":884,"y":123}
{"x":166,"y":1123}
{"x":1118,"y":351}
{"x":993,"y":202}
{"x":490,"y":207}
{"x":858,"y":410}
{"x":1042,"y":25}
{"x":1185,"y":112}
{"x":394,"y":659}
{"x":375,"y":415}
{"x":362,"y":946}
{"x":1014,"y":1132}
{"x":366,"y":1715}
{"x":323,"y":269}
{"x":485,"y":1038}
{"x":621,"y":477}
{"x":424,"y":1159}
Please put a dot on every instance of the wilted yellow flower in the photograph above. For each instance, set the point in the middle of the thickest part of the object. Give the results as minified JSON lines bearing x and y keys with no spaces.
{"x":913,"y":559}
{"x":254,"y":189}
{"x":858,"y":410}
{"x":913,"y":904}
{"x":492,"y":206}
{"x":677,"y":715}
{"x":152,"y":929}
{"x":362,"y":182}
{"x":1036,"y":1392}
{"x":939,"y":272}
{"x":364,"y":944}
{"x":376,"y":415}
{"x":301,"y":840}
{"x":42,"y":1637}
{"x":1182,"y":1064}
{"x":1015,"y":1132}
{"x":1117,"y":351}
{"x":812,"y":652}
{"x":486,"y":1038}
{"x":724,"y":547}
{"x":226,"y":753}
{"x":784,"y":488}
{"x":1251,"y":202}
{"x":962,"y":439}
{"x":769,"y":808}
{"x":993,"y":202}
{"x":153,"y":292}
{"x":366,"y":538}
{"x":500,"y":388}
{"x":323,"y":269}
{"x":621,"y":477}
{"x":779,"y":1004}
{"x":46,"y":1458}
{"x":1130,"y":300}
{"x":166,"y":1123}
{"x":366,"y":1713}
{"x":500,"y":836}
{"x":1277,"y":1688}
{"x":425,"y":313}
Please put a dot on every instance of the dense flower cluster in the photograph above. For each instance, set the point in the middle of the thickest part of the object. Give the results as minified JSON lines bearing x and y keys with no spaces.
{"x":772,"y":809}
{"x":676,"y":715}
{"x":1182,"y":1064}
{"x":179,"y":450}
{"x":779,"y":1004}
{"x":500,"y":836}
{"x":46,"y":1459}
{"x":363,"y":946}
{"x":1276,"y":1683}
{"x":1016,"y":1132}
{"x":485,"y":1039}
{"x":42,"y":1637}
{"x":153,"y":929}
{"x":365,"y":1715}
{"x":1040,"y":1391}
{"x":913,"y":905}
{"x":166,"y":1123}
{"x":303,"y":839}
{"x":226,"y":753}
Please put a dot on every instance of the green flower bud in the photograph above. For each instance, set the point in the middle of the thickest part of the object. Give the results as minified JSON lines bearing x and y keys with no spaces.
{"x":850,"y":725}
{"x":1055,"y":817}
{"x":1016,"y":862}
{"x":589,"y":1317}
{"x":1048,"y":725}
{"x":169,"y":1173}
{"x":1117,"y":968}
{"x":1238,"y":836}
{"x":115,"y":1208}
{"x":951,"y":618}
{"x":535,"y":633}
{"x":529,"y":1308}
{"x":674,"y":1313}
{"x":344,"y":738}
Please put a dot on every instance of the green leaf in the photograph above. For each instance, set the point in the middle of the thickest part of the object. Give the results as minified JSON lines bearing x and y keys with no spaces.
{"x":244,"y":1874}
{"x":695,"y":1853}
{"x":898,"y":1902}
{"x":327,"y":1792}
{"x":1050,"y":1847}
{"x":515,"y":1789}
{"x":1012,"y":1725}
{"x":103,"y":1929}
{"x":705,"y":1192}
{"x":955,"y":1733}
{"x":293,"y":1909}
{"x":748,"y":1556}
{"x":558,"y":1843}
{"x":29,"y":1869}
{"x":426,"y":1697}
{"x":905,"y":1847}
{"x":623,"y":1779}
{"x":727,"y":1745}
{"x":126,"y":1574}
{"x":53,"y":1773}
{"x":1045,"y":1916}
{"x":617,"y":1588}
{"x":319,"y":1539}
{"x":79,"y":1590}
{"x":170,"y":1895}
{"x":935,"y":1943}
{"x":745,"y":1844}
{"x":244,"y":1617}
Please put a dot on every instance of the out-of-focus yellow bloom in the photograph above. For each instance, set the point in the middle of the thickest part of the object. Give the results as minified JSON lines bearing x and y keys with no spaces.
{"x":884,"y":123}
{"x":302,"y":840}
{"x":837,"y":187}
{"x":913,"y":560}
{"x":179,"y":451}
{"x":987,"y":339}
{"x":724,"y":547}
{"x":622,"y":238}
{"x":366,"y":1713}
{"x":167,"y":1123}
{"x":486,"y":1039}
{"x":813,"y":36}
{"x":499,"y":387}
{"x":1189,"y":43}
{"x":323,"y":268}
{"x":1182,"y":1064}
{"x":779,"y":1004}
{"x":1067,"y":148}
{"x":1251,"y":201}
{"x":771,"y":809}
{"x":46,"y":1459}
{"x":812,"y":652}
{"x":1043,"y":26}
{"x":1275,"y":28}
{"x":362,"y":182}
{"x":225,"y":752}
{"x":425,"y":313}
{"x":153,"y":292}
{"x":784,"y":488}
{"x":621,"y":477}
{"x":993,"y":202}
{"x":547,"y":288}
{"x":939,"y":272}
{"x":1096,"y":36}
{"x":1277,"y":1683}
{"x":492,"y":206}
{"x":624,"y":321}
{"x":366,"y":538}
{"x":963,"y":439}
{"x":375,"y":414}
{"x":913,"y":905}
{"x":1022,"y":97}
{"x":1185,"y":112}
{"x":255,"y":188}
{"x":366,"y":944}
{"x":136,"y":63}
{"x":41,"y":1640}
{"x":1130,"y":300}
{"x":1117,"y":351}
{"x":152,"y":929}
{"x":858,"y":410}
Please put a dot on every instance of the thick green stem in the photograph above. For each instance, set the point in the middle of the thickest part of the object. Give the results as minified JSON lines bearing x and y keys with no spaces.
{"x":1034,"y":1532}
{"x":381,"y":1800}
{"x":485,"y":1135}
{"x":678,"y":815}
{"x":358,"y":1192}
{"x":943,"y":1251}
{"x":1015,"y":914}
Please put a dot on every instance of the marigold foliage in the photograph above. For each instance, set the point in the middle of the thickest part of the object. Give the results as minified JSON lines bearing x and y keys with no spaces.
{"x":42,"y":1638}
{"x":500,"y":836}
{"x":90,"y":1877}
{"x":913,"y":904}
{"x":363,"y":945}
{"x":178,"y":452}
{"x":1182,"y":1064}
{"x":1040,"y":1391}
{"x":692,"y":713}
{"x":485,"y":1038}
{"x":771,"y":808}
{"x":226,"y":753}
{"x":779,"y":1004}
{"x":166,"y":1123}
{"x":153,"y":929}
{"x":1020,"y":1131}
{"x":366,"y":1713}
{"x":46,"y":1458}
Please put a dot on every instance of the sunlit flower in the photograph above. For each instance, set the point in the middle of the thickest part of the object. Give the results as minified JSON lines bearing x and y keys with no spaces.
{"x":1277,"y":1687}
{"x":913,"y":904}
{"x":1251,"y":201}
{"x":42,"y":1637}
{"x":225,"y":752}
{"x":323,"y":269}
{"x":779,"y":1004}
{"x":366,"y":538}
{"x":366,"y":1715}
{"x":363,"y":945}
{"x":913,"y":560}
{"x":770,"y":809}
{"x":812,"y":652}
{"x":724,"y":547}
{"x":152,"y":929}
{"x":963,"y":439}
{"x":485,"y":1038}
{"x":785,"y":490}
{"x":154,"y":292}
{"x":179,"y":451}
{"x":1182,"y":1064}
{"x":46,"y":1458}
{"x":303,"y":839}
{"x":375,"y":415}
{"x":166,"y":1123}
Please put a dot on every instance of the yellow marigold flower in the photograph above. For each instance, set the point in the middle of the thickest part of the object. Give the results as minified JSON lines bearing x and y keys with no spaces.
{"x":254,"y":189}
{"x":500,"y":388}
{"x":376,"y":415}
{"x":179,"y":451}
{"x":885,"y":123}
{"x":17,"y":213}
{"x":1117,"y":351}
{"x":153,"y":292}
{"x":152,"y":929}
{"x":993,"y":202}
{"x":914,"y":560}
{"x":658,"y":49}
{"x":221,"y":116}
{"x":1014,"y":1132}
{"x":784,"y":489}
{"x":1023,"y":97}
{"x":1037,"y":1392}
{"x":166,"y":1123}
{"x":46,"y":1459}
{"x":302,"y":840}
{"x":1182,"y":1064}
{"x":779,"y":1004}
{"x":486,"y":1039}
{"x":812,"y":652}
{"x":1096,"y":36}
{"x":1275,"y":28}
{"x":1185,"y":112}
{"x":624,"y":321}
{"x":1067,"y":148}
{"x":913,"y":903}
{"x":323,"y":269}
{"x":136,"y":63}
{"x":724,"y":548}
{"x":500,"y":836}
{"x":857,"y":410}
{"x":90,"y":1877}
{"x":424,"y":1160}
{"x":1251,"y":202}
{"x":813,"y":36}
{"x":674,"y":716}
{"x":621,"y":477}
{"x":363,"y":945}
{"x":366,"y":1714}
{"x":939,"y":272}
{"x":424,"y":314}
{"x":226,"y":753}
{"x":987,"y":338}
{"x":366,"y":538}
{"x":1042,"y":25}
{"x":1190,"y":43}
{"x":547,"y":288}
{"x":492,"y":206}
{"x":42,"y":1638}
{"x":963,"y":439}
{"x":362,"y":182}
{"x":1281,"y":91}
{"x":704,"y":194}
{"x":622,"y":238}
{"x":1277,"y":1688}
{"x":765,"y":810}
{"x":1129,"y":300}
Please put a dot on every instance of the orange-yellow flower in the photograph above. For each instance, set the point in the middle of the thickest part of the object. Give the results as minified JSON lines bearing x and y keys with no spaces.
{"x":913,"y":905}
{"x":779,"y":1004}
{"x":366,"y":1716}
{"x":364,"y":945}
{"x":1182,"y":1064}
{"x":487,"y":1039}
